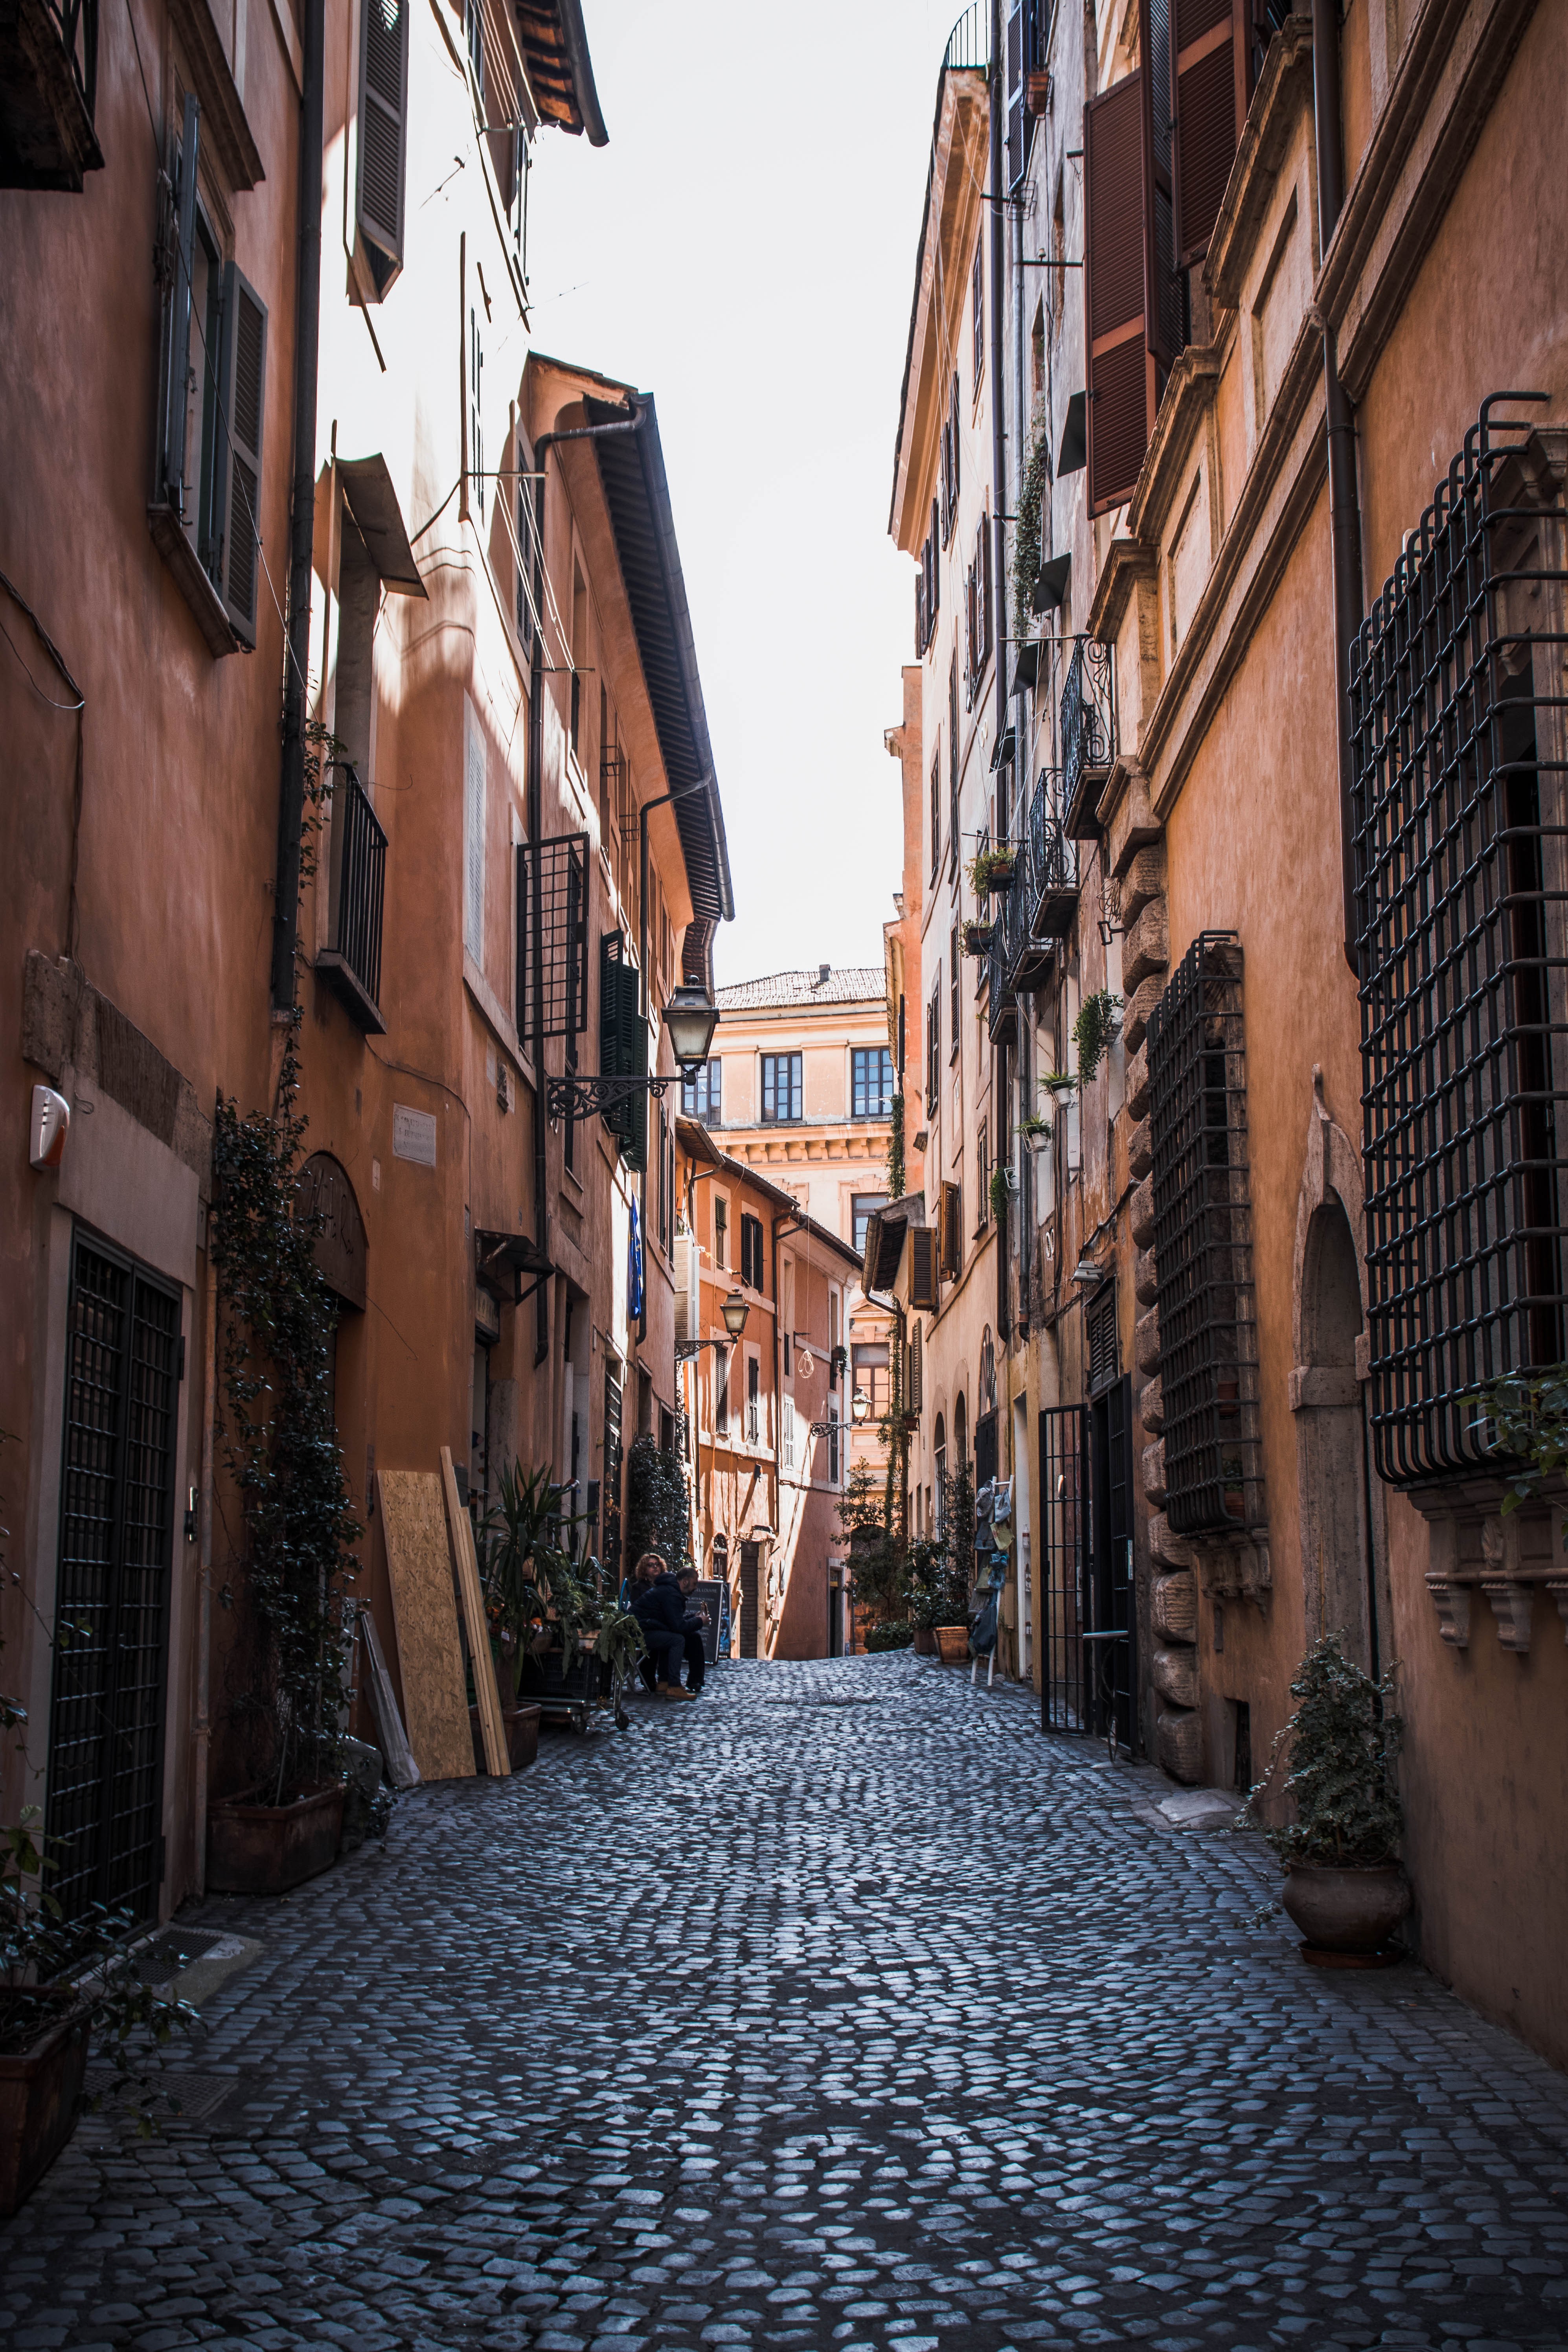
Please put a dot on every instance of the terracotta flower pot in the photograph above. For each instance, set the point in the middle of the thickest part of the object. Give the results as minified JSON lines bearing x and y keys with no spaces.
{"x":39,"y":2089}
{"x":1351,"y":1912}
{"x":260,"y":1849}
{"x":520,"y":1729}
{"x":953,"y":1644}
{"x":925,"y":1642}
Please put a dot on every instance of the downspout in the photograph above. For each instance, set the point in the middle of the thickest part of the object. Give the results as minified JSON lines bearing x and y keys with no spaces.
{"x":202,"y":1728}
{"x":1344,"y":510}
{"x":541,"y":448}
{"x":999,"y":566}
{"x":302,"y":517}
{"x":643,"y":814}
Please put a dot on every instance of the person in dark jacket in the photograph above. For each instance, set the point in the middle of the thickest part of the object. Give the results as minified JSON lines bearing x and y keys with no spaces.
{"x":659,"y":1610}
{"x":696,"y":1620}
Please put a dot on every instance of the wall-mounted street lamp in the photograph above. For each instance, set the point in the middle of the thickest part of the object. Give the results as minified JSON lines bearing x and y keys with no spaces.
{"x":735,"y":1310}
{"x":860,"y":1407}
{"x":689,"y":1018}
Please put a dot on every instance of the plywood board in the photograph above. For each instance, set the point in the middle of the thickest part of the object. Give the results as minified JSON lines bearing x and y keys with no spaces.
{"x":425,"y":1612}
{"x":402,"y":1770}
{"x":485,"y":1692}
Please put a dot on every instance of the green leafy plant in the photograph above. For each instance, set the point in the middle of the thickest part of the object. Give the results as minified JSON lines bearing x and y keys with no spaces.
{"x":658,"y":1503}
{"x":1001,"y":1190}
{"x":977,"y":938}
{"x":1058,"y":1082}
{"x":1096,"y":1030}
{"x":926,"y":1584}
{"x":1035,"y":1125}
{"x":52,"y":1967}
{"x":1524,"y":1423}
{"x":896,"y":1151}
{"x":876,"y":1566}
{"x":992,"y":869}
{"x":892,"y":1636}
{"x":958,"y":1543}
{"x":1027,"y":538}
{"x":1341,"y":1743}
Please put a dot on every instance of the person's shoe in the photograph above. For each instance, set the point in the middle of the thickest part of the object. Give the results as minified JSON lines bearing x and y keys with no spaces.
{"x":674,"y":1690}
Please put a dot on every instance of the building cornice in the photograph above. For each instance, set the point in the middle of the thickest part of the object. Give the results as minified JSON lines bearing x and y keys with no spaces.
{"x":1284,"y":93}
{"x":1127,"y":562}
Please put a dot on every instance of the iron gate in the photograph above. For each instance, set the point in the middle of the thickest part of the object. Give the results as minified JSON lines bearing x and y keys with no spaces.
{"x":1064,"y":1506}
{"x":1087,"y":1622}
{"x":111,"y":1604}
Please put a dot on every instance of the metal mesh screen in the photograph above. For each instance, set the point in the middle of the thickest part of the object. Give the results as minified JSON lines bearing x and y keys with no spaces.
{"x":552,"y":894}
{"x":1203,"y":1240}
{"x":1459,"y":708}
{"x":1063,"y":1530}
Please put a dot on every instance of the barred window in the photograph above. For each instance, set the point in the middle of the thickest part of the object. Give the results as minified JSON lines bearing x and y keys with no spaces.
{"x":1203,"y":1242}
{"x":1460,"y":734}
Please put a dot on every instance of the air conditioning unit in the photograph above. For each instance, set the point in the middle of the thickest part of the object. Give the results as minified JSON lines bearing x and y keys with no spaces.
{"x":688,"y":1288}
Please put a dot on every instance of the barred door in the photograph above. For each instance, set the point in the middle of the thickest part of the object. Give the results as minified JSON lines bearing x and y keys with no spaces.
{"x":1064,"y":1527}
{"x":1111,"y":1678}
{"x":111,"y":1607}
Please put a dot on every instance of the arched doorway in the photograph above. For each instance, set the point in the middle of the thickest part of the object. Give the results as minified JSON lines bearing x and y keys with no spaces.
{"x":1336,"y":1545}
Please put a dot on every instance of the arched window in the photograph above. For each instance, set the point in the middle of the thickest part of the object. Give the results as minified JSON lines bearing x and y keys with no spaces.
{"x":960,"y":1436}
{"x":987,"y":1371}
{"x":939,"y":1451}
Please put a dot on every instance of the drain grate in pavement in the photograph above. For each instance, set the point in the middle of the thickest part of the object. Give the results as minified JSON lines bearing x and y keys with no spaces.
{"x":201,"y":2097}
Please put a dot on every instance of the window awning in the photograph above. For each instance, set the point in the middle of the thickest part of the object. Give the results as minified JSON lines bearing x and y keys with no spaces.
{"x":373,"y":502}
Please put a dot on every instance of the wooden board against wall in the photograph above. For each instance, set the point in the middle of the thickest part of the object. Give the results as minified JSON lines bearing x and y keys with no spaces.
{"x":425,"y":1611}
{"x":486,"y":1694}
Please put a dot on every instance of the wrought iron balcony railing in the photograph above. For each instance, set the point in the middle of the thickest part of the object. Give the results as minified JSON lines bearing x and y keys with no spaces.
{"x":1089,"y":743}
{"x":969,"y":43}
{"x":353,"y":962}
{"x":48,"y":89}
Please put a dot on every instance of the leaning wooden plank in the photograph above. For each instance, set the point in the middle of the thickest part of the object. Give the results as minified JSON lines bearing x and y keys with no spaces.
{"x":391,"y":1737}
{"x":425,"y":1616}
{"x":485,"y":1692}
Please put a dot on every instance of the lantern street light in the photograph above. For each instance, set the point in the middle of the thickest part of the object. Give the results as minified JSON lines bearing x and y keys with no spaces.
{"x":735,"y":1310}
{"x":689,"y":1018}
{"x":861,"y":1406}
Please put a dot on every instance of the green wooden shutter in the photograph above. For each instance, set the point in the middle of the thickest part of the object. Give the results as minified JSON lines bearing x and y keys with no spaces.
{"x":243,"y":379}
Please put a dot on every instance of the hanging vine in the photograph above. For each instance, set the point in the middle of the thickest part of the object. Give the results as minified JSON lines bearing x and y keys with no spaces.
{"x":1027,"y":533}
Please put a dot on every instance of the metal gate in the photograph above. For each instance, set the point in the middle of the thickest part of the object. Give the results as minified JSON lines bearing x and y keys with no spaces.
{"x":111,"y":1605}
{"x":749,"y":1600}
{"x":1063,"y":1509}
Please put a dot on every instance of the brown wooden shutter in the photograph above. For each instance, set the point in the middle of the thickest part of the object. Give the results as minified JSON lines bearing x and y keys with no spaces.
{"x":923,"y":1266}
{"x":243,"y":378}
{"x":952,"y":1236}
{"x":1210,"y":76}
{"x":1119,"y":418}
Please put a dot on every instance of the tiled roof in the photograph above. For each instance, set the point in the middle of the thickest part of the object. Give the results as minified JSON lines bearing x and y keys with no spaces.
{"x":850,"y":983}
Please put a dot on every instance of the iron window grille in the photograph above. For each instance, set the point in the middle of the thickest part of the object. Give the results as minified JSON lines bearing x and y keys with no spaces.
{"x":353,"y":963}
{"x":781,"y":1088}
{"x":1202,"y":1239}
{"x":1089,"y":737}
{"x":1100,"y":1332}
{"x":1460,"y":741}
{"x":552,"y":894}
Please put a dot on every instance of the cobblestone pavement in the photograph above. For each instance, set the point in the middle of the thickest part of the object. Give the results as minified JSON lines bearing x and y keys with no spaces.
{"x":841,"y":2009}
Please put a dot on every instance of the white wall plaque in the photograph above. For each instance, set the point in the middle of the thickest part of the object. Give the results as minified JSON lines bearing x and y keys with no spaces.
{"x":413,"y":1135}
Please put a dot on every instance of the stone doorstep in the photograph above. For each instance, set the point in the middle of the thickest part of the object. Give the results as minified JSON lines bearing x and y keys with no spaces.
{"x":1184,"y":1809}
{"x":193,"y":1964}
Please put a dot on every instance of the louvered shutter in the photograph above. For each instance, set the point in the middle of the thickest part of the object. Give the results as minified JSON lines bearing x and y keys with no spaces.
{"x":923,"y":1266}
{"x":915,"y":1394}
{"x":953,"y":415}
{"x":983,"y":565}
{"x":383,"y":133}
{"x":952,"y":1237}
{"x":1119,"y":403}
{"x":177,"y":358}
{"x":1165,"y":299}
{"x":1018,"y":121}
{"x":473,"y":833}
{"x":1210,"y":77}
{"x":933,"y":602}
{"x":244,"y":379}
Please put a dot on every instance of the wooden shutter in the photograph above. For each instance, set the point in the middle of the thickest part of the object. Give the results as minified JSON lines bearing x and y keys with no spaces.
{"x":923,"y":1266}
{"x":1017,"y":66}
{"x":243,"y":376}
{"x":1119,"y":409}
{"x":1210,"y":63}
{"x":177,"y":359}
{"x":383,"y":133}
{"x":473,"y":833}
{"x":952,"y":1236}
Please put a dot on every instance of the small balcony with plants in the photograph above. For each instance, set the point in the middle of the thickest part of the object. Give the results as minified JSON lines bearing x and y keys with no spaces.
{"x":1089,"y":736}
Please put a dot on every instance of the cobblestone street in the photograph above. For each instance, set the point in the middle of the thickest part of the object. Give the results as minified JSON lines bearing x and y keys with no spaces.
{"x":841,"y":2009}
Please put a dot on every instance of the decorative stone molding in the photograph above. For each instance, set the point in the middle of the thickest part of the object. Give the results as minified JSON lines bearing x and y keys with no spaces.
{"x":1233,"y":1566}
{"x":1173,"y":1606}
{"x":1145,"y":944}
{"x":1511,"y":1606}
{"x":1152,"y":1405}
{"x":1154,"y":1471}
{"x":1452,"y":1603}
{"x":1558,"y":1588}
{"x":1130,"y":824}
{"x":1322,"y":1384}
{"x":1140,"y":1004}
{"x":1175,"y":1673}
{"x":1284,"y":93}
{"x":1145,"y":1279}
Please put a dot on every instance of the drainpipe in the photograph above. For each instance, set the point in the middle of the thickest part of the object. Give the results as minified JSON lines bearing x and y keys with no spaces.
{"x":643,"y":814}
{"x":202,"y":1728}
{"x":302,"y":520}
{"x":1344,"y":510}
{"x":999,"y":565}
{"x":541,"y":448}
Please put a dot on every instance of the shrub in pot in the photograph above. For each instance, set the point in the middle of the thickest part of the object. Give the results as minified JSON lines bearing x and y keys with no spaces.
{"x":892,"y":1636}
{"x":1343,"y":1885}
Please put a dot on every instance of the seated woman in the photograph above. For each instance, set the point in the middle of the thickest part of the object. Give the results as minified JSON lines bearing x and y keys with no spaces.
{"x":659,"y":1609}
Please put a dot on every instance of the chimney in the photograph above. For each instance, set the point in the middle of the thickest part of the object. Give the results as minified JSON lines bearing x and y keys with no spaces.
{"x":822,"y":972}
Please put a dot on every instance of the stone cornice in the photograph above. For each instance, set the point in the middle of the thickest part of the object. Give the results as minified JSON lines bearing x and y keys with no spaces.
{"x":1284,"y":93}
{"x":1189,"y":391}
{"x":1454,"y":63}
{"x":1127,"y":561}
{"x":224,"y":122}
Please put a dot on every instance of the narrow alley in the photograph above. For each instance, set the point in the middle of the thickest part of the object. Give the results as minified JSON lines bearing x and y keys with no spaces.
{"x":841,"y":2008}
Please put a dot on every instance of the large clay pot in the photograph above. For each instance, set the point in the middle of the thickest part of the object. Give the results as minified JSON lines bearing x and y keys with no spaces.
{"x":1346,"y":1911}
{"x":953,"y":1644}
{"x":522,"y":1724}
{"x":925,"y":1642}
{"x":39,"y":2089}
{"x":260,"y":1848}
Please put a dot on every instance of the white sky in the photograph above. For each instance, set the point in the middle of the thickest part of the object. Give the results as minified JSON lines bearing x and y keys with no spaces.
{"x":744,"y":249}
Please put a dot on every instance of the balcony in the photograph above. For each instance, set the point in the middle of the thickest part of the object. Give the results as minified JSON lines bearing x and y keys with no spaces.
{"x":351,"y":965}
{"x":48,"y":86}
{"x":969,"y":43}
{"x":1039,"y":909}
{"x":1089,"y":743}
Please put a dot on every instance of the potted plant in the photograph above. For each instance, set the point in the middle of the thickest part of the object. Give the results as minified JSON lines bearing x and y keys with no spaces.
{"x":993,"y":869}
{"x":61,"y":1982}
{"x":1001,"y":1189}
{"x":1096,"y":1030}
{"x":507,"y":1538}
{"x":977,"y":938}
{"x":1035,"y":1132}
{"x":896,"y":1634}
{"x":1343,"y":1885}
{"x":957,"y":1555}
{"x":1061,"y":1086}
{"x":925,"y":1593}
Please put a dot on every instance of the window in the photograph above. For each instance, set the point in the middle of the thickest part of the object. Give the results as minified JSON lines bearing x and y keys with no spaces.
{"x":977,"y":308}
{"x":833,"y":1456}
{"x":873,"y":1082}
{"x":873,"y":1378}
{"x":952,"y":1231}
{"x":211,"y":399}
{"x":936,"y":813}
{"x":720,"y":1391}
{"x":787,"y":1432}
{"x":474,"y":33}
{"x":983,"y":1172}
{"x":701,"y":1095}
{"x":754,"y":1401}
{"x":781,"y":1087}
{"x":934,"y":1047}
{"x":721,"y":1229}
{"x":950,"y":463}
{"x":954,"y":991}
{"x":473,"y":833}
{"x":752,"y":1266}
{"x":382,"y":144}
{"x":953,"y":842}
{"x":977,"y":611}
{"x":863,"y":1207}
{"x":476,"y":410}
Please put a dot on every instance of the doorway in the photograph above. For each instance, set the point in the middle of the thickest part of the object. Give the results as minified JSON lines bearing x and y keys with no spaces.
{"x":104,"y":1796}
{"x":750,"y":1553}
{"x":1330,"y":1435}
{"x":1110,"y":1679}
